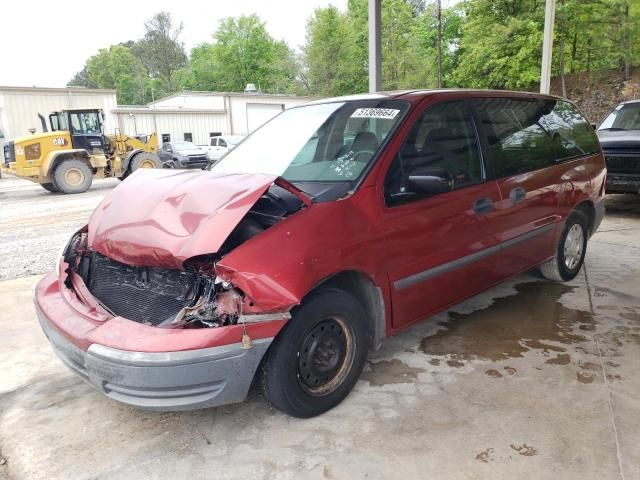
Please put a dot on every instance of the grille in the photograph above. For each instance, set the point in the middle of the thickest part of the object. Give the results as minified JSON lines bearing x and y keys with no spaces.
{"x":142,"y":294}
{"x":8,"y":152}
{"x":623,"y":163}
{"x":197,"y":158}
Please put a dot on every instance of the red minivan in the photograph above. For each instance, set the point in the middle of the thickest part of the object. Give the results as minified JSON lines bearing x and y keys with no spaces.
{"x":334,"y":225}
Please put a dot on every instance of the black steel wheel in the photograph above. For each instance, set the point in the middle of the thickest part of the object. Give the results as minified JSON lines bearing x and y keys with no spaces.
{"x":325,"y":356}
{"x":316,"y":359}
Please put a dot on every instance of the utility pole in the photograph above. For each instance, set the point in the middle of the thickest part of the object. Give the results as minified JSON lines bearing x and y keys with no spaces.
{"x":375,"y":70}
{"x":547,"y":46}
{"x":439,"y":42}
{"x":153,"y":101}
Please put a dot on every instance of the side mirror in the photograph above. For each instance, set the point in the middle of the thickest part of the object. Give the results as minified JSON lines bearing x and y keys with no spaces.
{"x":428,"y":184}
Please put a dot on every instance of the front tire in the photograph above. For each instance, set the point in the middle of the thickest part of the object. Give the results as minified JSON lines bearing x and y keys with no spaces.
{"x":50,"y":187}
{"x":570,"y":251}
{"x":72,"y":176}
{"x":318,"y":356}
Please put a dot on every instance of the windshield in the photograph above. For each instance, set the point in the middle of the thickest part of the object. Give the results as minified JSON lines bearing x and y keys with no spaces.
{"x":329,"y":142}
{"x":85,"y":122}
{"x":182,"y":146}
{"x":624,"y":117}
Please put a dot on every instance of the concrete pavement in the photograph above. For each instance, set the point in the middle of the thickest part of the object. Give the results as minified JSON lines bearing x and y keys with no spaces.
{"x":529,"y":380}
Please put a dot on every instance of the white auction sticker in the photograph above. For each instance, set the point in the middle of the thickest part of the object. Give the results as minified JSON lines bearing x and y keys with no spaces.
{"x":375,"y":113}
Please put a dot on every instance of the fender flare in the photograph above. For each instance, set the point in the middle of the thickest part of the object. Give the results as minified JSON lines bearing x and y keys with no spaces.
{"x":127,"y":160}
{"x":46,"y":169}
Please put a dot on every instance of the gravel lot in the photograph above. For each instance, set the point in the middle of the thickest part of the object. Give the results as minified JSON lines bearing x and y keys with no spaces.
{"x":35,"y":224}
{"x":529,"y":380}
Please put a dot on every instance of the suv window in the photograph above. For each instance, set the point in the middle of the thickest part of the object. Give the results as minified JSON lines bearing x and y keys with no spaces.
{"x":442,"y":142}
{"x":221,"y":143}
{"x":528,"y":134}
{"x":214,"y":142}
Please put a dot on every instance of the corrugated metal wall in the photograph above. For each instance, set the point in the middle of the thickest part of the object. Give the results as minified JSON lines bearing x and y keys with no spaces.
{"x":199,"y":125}
{"x":239,"y":108}
{"x":197,"y":113}
{"x":19,"y":108}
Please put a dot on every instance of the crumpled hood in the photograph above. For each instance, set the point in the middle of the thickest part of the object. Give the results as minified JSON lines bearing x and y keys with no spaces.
{"x":160,"y":218}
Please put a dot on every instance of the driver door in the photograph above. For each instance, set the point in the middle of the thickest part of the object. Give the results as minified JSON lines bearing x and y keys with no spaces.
{"x":440,"y":246}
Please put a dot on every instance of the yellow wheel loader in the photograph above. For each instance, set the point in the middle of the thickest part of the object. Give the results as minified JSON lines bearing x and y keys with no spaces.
{"x":67,"y":158}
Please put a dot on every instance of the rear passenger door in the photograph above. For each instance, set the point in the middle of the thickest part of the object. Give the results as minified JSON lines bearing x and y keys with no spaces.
{"x":518,"y":144}
{"x":440,"y":247}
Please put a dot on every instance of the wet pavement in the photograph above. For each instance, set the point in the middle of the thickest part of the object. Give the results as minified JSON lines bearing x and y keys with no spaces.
{"x":531,"y":379}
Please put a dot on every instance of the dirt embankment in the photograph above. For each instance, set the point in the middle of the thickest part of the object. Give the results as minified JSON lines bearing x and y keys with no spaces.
{"x":597,"y":93}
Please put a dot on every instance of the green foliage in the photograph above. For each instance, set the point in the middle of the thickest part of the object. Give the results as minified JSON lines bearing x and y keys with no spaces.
{"x":331,"y":57}
{"x":242,"y":52}
{"x":485,"y":44}
{"x":501,"y":44}
{"x":115,"y":67}
{"x":161,"y":50}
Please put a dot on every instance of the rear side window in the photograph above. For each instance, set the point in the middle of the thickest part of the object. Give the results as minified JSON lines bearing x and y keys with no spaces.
{"x":524,"y":135}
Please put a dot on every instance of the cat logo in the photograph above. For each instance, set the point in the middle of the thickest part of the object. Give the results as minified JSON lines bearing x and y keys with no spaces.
{"x":59,"y":141}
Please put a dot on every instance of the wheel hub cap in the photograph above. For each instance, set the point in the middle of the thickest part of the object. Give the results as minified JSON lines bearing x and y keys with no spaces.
{"x":325,"y":356}
{"x":573,"y":246}
{"x":73,"y":176}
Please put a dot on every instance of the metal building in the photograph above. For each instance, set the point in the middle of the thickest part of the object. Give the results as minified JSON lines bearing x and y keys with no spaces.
{"x":191,"y":116}
{"x":19,"y":106}
{"x":197,"y":116}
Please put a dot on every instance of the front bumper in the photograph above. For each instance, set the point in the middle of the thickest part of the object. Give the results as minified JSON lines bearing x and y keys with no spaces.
{"x":168,"y":381}
{"x":193,"y":163}
{"x":623,"y":183}
{"x":148,"y":367}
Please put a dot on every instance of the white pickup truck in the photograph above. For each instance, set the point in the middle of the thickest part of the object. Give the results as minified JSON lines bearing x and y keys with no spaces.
{"x":220,"y":145}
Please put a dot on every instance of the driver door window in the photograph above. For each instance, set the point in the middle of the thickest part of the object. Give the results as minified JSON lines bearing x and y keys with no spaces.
{"x":441,"y":144}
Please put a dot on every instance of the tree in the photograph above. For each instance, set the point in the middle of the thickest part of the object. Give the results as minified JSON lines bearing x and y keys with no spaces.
{"x":115,"y":67}
{"x":331,"y":55}
{"x":81,"y":79}
{"x":242,"y":52}
{"x":501,"y":44}
{"x":161,"y":50}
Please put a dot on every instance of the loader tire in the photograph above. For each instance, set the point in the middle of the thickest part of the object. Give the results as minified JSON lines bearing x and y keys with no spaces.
{"x":50,"y":187}
{"x":72,"y":176}
{"x":143,"y":160}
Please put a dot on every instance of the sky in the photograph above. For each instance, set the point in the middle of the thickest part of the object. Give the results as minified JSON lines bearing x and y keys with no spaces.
{"x":44,"y":43}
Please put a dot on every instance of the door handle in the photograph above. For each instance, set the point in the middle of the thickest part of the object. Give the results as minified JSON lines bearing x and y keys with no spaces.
{"x":483,"y":205}
{"x":517,"y":195}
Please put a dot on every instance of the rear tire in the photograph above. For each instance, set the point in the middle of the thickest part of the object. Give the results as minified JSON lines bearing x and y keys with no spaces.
{"x":72,"y":176}
{"x":50,"y":187}
{"x":571,"y":250}
{"x":317,"y":358}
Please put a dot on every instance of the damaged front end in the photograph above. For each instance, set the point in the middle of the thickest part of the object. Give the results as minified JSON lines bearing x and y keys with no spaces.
{"x":193,"y":297}
{"x":157,"y":297}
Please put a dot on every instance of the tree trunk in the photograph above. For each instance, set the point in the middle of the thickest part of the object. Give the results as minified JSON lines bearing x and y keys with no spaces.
{"x":439,"y":43}
{"x":574,"y":50}
{"x":562,"y":44}
{"x":626,"y":44}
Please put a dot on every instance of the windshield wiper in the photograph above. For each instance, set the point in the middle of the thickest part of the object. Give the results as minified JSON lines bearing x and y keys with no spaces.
{"x":613,"y":129}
